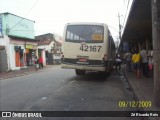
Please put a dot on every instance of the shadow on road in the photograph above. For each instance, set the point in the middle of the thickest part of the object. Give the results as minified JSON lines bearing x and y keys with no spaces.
{"x":92,"y":77}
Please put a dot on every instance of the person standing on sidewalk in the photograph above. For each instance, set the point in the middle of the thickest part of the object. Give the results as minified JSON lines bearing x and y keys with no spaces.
{"x":36,"y":63}
{"x":136,"y":58}
{"x":128,"y":58}
{"x":41,"y":62}
{"x":144,"y":56}
{"x":118,"y":62}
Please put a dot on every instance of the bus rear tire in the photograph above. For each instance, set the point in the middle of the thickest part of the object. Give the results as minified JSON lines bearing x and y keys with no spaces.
{"x":80,"y":72}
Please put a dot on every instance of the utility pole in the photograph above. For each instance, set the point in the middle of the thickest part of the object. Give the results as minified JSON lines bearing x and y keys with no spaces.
{"x":119,"y":27}
{"x":156,"y":48}
{"x":120,"y":33}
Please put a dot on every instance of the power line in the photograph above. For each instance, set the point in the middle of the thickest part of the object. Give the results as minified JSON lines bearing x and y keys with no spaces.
{"x":25,"y":15}
{"x":126,"y":12}
{"x":32,"y":7}
{"x":114,"y":28}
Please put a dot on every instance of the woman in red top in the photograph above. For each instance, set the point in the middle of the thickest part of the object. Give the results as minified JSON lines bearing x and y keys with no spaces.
{"x":41,"y":62}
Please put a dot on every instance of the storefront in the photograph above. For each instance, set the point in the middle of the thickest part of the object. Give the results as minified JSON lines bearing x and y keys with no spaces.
{"x":23,"y":52}
{"x":30,"y":54}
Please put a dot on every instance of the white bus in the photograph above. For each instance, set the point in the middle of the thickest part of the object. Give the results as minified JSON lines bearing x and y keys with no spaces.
{"x":87,"y":47}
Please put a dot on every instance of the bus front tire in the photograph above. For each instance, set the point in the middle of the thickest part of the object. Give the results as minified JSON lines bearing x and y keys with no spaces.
{"x":80,"y":72}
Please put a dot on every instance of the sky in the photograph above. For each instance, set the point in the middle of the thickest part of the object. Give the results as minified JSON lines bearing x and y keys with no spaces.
{"x":50,"y":16}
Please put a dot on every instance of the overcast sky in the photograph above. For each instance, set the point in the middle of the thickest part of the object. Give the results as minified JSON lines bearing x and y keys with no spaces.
{"x":50,"y":16}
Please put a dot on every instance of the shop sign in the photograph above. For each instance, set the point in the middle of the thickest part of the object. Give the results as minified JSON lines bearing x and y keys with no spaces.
{"x":29,"y":46}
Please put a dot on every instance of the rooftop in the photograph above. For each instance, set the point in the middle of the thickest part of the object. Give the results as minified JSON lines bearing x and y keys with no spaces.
{"x":139,"y":23}
{"x":5,"y":13}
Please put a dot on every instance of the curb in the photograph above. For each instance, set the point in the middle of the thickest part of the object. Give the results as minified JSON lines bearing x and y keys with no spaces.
{"x":16,"y":76}
{"x":23,"y":74}
{"x":136,"y":98}
{"x":32,"y":71}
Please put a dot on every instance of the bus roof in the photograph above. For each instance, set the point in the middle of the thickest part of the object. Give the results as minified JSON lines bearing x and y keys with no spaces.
{"x":86,"y":23}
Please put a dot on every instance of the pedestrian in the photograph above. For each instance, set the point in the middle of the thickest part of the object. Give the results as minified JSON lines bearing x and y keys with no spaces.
{"x":150,"y":62}
{"x":144,"y":61}
{"x":41,"y":62}
{"x":36,"y":63}
{"x":118,"y":61}
{"x":128,"y":58}
{"x":136,"y":58}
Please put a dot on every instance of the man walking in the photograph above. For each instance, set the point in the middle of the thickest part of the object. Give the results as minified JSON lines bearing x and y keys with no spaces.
{"x":144,"y":61}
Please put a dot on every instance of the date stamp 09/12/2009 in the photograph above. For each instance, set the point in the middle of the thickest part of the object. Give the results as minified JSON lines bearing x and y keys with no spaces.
{"x":135,"y":104}
{"x":139,"y":104}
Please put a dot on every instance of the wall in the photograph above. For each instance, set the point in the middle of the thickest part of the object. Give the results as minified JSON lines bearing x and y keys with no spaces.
{"x":1,"y":25}
{"x":3,"y":61}
{"x":7,"y":40}
{"x":44,"y":57}
{"x":2,"y":41}
{"x":46,"y":47}
{"x":58,"y":38}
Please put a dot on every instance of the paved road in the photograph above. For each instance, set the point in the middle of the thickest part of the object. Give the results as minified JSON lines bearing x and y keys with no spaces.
{"x":57,"y":89}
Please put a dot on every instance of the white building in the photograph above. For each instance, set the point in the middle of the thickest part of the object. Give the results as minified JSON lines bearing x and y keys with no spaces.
{"x":49,"y":48}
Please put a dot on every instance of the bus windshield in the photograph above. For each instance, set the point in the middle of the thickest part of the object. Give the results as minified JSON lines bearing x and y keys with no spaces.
{"x":85,"y":33}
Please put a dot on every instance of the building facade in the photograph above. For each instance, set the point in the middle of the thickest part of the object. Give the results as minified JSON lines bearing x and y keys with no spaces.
{"x":18,"y":46}
{"x":49,"y":48}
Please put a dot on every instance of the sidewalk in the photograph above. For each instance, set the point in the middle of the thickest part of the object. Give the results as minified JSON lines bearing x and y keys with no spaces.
{"x":143,"y":89}
{"x":24,"y":71}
